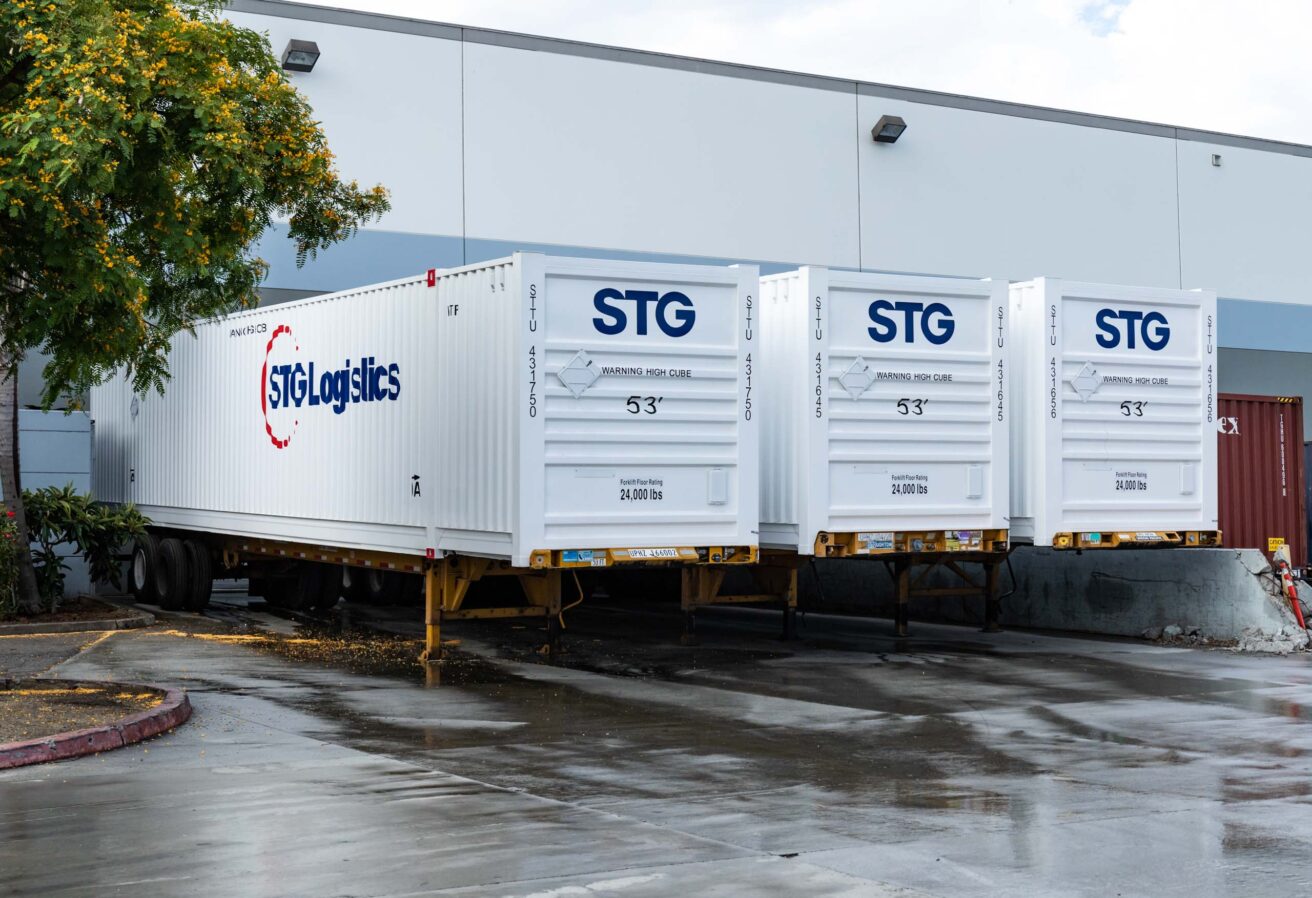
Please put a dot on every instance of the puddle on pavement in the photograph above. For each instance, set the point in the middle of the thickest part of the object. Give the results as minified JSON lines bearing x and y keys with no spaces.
{"x":560,"y":738}
{"x":369,"y":654}
{"x":941,"y":796}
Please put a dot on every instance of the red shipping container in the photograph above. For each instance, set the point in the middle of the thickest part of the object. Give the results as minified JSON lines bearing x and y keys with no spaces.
{"x":1260,"y":456}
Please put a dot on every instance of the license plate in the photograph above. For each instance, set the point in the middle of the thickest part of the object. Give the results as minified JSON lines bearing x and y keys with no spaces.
{"x":653,"y":553}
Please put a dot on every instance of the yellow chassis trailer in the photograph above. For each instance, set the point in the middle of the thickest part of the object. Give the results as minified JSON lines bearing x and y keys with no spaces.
{"x":1138,"y":539}
{"x":447,"y":580}
{"x":909,"y":557}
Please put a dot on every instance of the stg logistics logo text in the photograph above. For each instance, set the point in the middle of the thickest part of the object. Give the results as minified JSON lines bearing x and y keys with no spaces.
{"x":288,"y":384}
{"x":1151,"y":329}
{"x":935,"y":321}
{"x":674,"y":314}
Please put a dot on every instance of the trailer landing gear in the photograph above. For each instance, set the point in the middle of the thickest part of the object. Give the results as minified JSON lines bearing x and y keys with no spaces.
{"x":446,"y":585}
{"x":900,"y":568}
{"x":775,"y":575}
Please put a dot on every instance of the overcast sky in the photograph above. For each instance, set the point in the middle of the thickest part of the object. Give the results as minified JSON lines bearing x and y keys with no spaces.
{"x":1223,"y":65}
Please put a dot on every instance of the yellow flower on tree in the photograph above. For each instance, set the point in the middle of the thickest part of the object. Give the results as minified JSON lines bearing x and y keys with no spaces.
{"x":144,"y":147}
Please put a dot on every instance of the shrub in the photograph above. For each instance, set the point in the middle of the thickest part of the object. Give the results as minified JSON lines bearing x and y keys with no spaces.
{"x":8,"y":566}
{"x":63,"y":515}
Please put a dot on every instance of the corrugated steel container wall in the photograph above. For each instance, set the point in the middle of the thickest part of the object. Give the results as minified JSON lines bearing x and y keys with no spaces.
{"x":783,"y":335}
{"x":1307,"y":491}
{"x":476,"y":443}
{"x":332,"y":449}
{"x":1260,"y":453}
{"x":448,"y":419}
{"x":1115,"y":406}
{"x":887,"y":405}
{"x":654,"y":444}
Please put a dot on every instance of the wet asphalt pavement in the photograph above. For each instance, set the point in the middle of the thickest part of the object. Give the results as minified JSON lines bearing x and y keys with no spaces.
{"x":31,"y":656}
{"x":850,"y":763}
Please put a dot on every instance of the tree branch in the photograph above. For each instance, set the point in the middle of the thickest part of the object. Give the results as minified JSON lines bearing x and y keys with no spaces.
{"x":19,"y":70}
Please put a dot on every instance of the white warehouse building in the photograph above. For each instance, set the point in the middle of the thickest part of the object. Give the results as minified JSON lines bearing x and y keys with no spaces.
{"x":492,"y":142}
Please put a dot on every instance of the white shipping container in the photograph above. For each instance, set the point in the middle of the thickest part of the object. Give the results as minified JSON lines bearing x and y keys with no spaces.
{"x":1113,"y":432}
{"x":884,"y":412}
{"x":503,"y":409}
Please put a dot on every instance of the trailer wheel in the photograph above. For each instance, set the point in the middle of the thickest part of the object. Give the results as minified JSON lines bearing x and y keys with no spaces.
{"x":201,"y":580}
{"x":330,"y":587}
{"x":355,"y":584}
{"x":280,"y":592}
{"x":376,"y":586}
{"x":145,"y":571}
{"x":293,"y":595}
{"x":317,"y":586}
{"x":172,"y":584}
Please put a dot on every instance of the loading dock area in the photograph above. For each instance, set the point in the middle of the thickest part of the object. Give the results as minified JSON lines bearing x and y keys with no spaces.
{"x":851,"y":762}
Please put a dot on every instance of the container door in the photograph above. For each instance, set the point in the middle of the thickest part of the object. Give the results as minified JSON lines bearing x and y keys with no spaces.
{"x":1307,"y":499}
{"x":1260,"y":456}
{"x":1137,"y":410}
{"x":645,"y":427}
{"x":915,"y":428}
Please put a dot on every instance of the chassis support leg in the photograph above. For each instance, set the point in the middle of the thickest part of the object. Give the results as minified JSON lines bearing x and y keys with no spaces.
{"x":553,"y":635}
{"x":992,"y":604}
{"x":433,"y":577}
{"x":790,"y":605}
{"x":698,"y":586}
{"x":902,"y":575}
{"x":543,"y":590}
{"x":690,"y":589}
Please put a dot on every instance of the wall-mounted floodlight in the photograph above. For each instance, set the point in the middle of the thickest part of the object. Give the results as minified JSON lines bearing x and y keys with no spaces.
{"x":1216,"y":159}
{"x":300,"y":56}
{"x":888,"y":129}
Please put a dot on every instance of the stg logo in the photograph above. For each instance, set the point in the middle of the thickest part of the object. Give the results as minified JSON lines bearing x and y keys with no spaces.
{"x":936,"y":324}
{"x":1149,"y":327}
{"x":287,"y":385}
{"x":674,"y":314}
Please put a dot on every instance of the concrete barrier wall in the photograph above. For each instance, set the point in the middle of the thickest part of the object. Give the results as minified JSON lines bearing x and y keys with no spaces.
{"x":1221,"y":594}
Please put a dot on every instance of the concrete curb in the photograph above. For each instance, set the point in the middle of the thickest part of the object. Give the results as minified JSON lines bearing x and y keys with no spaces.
{"x":140,"y":619}
{"x":173,"y":711}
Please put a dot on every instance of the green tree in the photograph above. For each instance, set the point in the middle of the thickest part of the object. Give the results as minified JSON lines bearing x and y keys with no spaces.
{"x":144,"y":147}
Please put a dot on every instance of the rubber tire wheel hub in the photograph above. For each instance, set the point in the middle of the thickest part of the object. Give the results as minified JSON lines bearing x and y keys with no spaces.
{"x":175,"y":576}
{"x":145,"y":572}
{"x":201,"y":580}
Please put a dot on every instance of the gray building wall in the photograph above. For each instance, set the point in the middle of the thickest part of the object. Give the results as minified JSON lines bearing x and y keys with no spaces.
{"x":55,"y":450}
{"x":1269,"y":373}
{"x":494,"y":142}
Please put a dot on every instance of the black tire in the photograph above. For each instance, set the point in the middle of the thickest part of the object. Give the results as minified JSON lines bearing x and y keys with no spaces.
{"x":289,"y":592}
{"x":355,"y":584}
{"x":331,"y":584}
{"x":174,"y":579}
{"x":280,"y":592}
{"x":377,"y":587}
{"x":144,"y":571}
{"x":318,"y":586}
{"x":201,"y":581}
